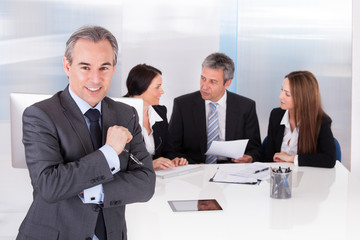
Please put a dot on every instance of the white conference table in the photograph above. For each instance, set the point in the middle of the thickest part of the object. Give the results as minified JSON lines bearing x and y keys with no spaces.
{"x":325,"y":204}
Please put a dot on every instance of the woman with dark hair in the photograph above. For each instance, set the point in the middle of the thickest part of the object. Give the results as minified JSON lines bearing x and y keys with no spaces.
{"x":300,"y":131}
{"x":145,"y":82}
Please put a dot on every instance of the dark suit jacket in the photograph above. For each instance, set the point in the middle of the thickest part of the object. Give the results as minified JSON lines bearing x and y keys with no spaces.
{"x":188,"y":125}
{"x":161,"y":135}
{"x":62,"y":163}
{"x":326,"y":150}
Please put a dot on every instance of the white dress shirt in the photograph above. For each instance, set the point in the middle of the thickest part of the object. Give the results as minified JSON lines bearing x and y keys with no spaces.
{"x":149,"y":138}
{"x":221,"y":110}
{"x":290,"y":139}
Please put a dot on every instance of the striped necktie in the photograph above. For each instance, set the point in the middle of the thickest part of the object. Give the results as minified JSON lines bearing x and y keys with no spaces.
{"x":212,"y":131}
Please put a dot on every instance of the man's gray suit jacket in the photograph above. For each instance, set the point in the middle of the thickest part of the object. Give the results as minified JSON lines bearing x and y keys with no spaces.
{"x":62,"y":163}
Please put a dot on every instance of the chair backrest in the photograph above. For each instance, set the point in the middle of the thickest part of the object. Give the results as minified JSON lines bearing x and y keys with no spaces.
{"x":264,"y":147}
{"x":20,"y":101}
{"x":338,"y":149}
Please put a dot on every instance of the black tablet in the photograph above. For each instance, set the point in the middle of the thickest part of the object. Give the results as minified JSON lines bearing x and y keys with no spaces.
{"x":194,"y":205}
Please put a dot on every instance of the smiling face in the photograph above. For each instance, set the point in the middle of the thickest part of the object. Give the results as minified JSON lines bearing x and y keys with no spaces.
{"x":91,"y":70}
{"x":153,"y":93}
{"x":212,"y":85}
{"x":286,"y":100}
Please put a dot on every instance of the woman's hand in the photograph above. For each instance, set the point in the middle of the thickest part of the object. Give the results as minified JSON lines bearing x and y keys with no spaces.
{"x":162,"y":163}
{"x":283,"y":157}
{"x":180,"y":161}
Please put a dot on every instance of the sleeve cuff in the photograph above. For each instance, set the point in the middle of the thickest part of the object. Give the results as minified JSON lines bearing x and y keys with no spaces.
{"x":111,"y":158}
{"x":93,"y":195}
{"x":296,"y":160}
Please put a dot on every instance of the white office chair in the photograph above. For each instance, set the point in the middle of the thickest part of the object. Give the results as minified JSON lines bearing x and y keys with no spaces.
{"x":20,"y":101}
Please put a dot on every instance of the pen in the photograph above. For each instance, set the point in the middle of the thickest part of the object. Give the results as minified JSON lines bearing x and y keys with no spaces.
{"x":261,"y":170}
{"x":212,"y":179}
{"x":137,"y":161}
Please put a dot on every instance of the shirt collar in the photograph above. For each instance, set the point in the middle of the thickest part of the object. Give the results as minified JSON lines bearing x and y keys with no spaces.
{"x":84,"y":106}
{"x":153,"y":116}
{"x":221,"y":102}
{"x":285,"y":120}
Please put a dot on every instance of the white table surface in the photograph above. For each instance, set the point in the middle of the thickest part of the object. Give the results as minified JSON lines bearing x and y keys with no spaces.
{"x":325,"y":204}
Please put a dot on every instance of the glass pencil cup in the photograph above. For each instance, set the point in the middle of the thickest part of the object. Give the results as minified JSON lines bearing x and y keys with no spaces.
{"x":280,"y":184}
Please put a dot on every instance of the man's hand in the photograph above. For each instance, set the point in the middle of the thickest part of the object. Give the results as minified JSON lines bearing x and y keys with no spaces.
{"x":117,"y":137}
{"x":243,"y":159}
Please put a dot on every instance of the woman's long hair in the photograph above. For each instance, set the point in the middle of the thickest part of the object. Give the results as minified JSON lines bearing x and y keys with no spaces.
{"x":140,"y":78}
{"x":307,"y":109}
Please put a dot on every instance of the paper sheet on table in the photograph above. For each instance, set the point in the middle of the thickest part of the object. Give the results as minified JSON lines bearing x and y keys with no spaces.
{"x":248,"y":174}
{"x":230,"y":149}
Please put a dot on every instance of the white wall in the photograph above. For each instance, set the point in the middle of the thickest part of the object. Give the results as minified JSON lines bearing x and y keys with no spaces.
{"x":174,"y":36}
{"x":355,"y":106}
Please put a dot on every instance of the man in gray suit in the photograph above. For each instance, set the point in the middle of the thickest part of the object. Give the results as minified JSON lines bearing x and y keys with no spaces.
{"x":81,"y":187}
{"x":192,"y":121}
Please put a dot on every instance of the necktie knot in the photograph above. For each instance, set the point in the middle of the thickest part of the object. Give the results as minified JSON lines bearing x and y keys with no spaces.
{"x":92,"y":114}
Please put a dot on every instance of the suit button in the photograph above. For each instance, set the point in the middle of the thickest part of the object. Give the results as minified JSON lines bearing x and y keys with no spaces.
{"x":96,"y":208}
{"x":115,"y":202}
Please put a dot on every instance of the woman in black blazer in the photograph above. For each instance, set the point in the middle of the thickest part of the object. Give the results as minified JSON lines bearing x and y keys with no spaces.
{"x":300,"y":131}
{"x":145,"y":81}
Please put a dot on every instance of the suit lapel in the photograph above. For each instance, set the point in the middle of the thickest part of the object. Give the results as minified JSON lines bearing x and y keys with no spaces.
{"x":198,"y":113}
{"x":76,"y":120}
{"x":231,"y":115}
{"x":157,"y":132}
{"x":280,"y":136}
{"x":108,"y":121}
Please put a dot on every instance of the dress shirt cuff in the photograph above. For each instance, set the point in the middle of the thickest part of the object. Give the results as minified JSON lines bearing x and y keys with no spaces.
{"x":93,"y":195}
{"x":296,"y":160}
{"x":111,"y":158}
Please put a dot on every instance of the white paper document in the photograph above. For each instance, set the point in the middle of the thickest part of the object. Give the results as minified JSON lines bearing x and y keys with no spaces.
{"x":177,"y":171}
{"x":239,"y":173}
{"x":231,"y":149}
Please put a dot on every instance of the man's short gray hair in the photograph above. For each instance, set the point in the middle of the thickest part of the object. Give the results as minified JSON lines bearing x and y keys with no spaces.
{"x":92,"y":33}
{"x":220,"y":61}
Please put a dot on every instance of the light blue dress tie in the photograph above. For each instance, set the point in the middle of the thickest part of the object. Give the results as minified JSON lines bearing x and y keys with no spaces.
{"x":213,"y":131}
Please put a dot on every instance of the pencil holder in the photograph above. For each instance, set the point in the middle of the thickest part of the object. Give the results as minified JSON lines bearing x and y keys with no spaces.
{"x":280,"y":184}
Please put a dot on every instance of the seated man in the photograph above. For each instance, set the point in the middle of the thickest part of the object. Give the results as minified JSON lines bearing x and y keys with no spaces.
{"x":212,"y":114}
